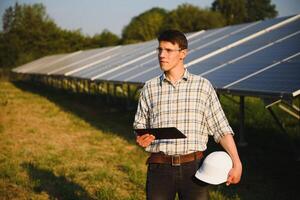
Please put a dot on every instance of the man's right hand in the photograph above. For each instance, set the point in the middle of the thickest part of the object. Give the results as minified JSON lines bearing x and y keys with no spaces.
{"x":145,"y":140}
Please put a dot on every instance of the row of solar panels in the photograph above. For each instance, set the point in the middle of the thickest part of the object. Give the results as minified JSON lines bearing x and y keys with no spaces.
{"x":256,"y":58}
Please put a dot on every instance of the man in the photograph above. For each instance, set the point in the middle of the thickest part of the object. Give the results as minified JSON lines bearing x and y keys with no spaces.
{"x":188,"y":102}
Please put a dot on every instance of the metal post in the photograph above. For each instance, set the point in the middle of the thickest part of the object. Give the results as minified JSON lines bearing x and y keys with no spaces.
{"x":128,"y":97}
{"x":77,"y":86}
{"x":242,"y":141}
{"x":107,"y":92}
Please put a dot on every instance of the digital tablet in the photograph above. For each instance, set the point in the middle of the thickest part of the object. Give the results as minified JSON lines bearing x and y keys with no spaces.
{"x":162,"y":133}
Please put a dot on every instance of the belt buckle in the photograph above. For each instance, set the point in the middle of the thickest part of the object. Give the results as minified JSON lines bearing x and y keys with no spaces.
{"x":175,"y":160}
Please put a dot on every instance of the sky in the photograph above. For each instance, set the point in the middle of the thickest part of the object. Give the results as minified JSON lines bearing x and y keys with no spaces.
{"x":93,"y":16}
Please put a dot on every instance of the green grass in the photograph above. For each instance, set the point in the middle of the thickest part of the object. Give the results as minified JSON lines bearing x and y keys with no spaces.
{"x":66,"y":150}
{"x":57,"y":145}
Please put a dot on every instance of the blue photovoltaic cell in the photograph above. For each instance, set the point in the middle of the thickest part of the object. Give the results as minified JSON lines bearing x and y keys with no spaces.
{"x":232,"y":35}
{"x":282,"y":78}
{"x":256,"y":43}
{"x":143,"y":55}
{"x":75,"y":57}
{"x":122,"y":73}
{"x":132,"y":69}
{"x":118,"y":54}
{"x":268,"y":56}
{"x":82,"y":59}
{"x":127,"y":54}
{"x":147,"y":76}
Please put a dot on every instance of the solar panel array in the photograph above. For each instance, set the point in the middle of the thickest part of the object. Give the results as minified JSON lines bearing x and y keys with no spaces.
{"x":259,"y":58}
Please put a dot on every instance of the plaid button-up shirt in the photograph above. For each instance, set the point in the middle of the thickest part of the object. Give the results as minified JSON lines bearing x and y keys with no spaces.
{"x":191,"y":105}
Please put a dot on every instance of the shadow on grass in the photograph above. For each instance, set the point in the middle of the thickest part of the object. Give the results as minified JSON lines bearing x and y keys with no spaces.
{"x":95,"y":110}
{"x":57,"y":187}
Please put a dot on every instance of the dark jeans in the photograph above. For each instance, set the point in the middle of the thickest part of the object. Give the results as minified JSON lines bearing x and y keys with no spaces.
{"x":165,"y":180}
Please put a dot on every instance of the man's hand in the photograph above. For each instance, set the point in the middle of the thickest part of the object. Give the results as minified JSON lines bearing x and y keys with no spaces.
{"x":145,"y":140}
{"x":234,"y":175}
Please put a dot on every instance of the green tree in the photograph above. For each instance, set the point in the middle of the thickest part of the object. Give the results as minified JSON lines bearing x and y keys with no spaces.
{"x":189,"y":18}
{"x":239,"y":11}
{"x":106,"y":38}
{"x":260,"y":10}
{"x":29,"y":33}
{"x":145,"y":26}
{"x":22,"y":25}
{"x":234,"y":11}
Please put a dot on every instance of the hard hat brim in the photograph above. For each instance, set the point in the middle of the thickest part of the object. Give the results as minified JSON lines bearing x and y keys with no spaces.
{"x":208,"y":179}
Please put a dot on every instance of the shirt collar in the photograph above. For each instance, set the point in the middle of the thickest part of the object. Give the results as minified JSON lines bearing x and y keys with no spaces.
{"x":185,"y":76}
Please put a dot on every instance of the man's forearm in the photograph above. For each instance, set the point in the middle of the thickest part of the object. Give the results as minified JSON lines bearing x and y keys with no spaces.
{"x":228,"y":144}
{"x":235,"y":173}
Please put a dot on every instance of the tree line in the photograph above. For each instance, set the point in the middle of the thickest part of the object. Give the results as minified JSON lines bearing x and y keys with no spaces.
{"x":29,"y":33}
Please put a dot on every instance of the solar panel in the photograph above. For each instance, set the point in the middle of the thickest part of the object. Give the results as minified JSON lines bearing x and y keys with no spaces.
{"x":269,"y":55}
{"x":151,"y":62}
{"x":237,"y":38}
{"x":247,"y":58}
{"x":140,"y":65}
{"x":39,"y":63}
{"x":208,"y":42}
{"x":110,"y":57}
{"x":126,"y":54}
{"x":281,"y":79}
{"x":86,"y":57}
{"x":252,"y":47}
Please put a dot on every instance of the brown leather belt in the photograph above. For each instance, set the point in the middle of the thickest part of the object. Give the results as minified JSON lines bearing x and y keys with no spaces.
{"x":175,"y":160}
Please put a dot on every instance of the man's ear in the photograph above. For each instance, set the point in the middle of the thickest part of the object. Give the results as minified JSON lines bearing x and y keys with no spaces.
{"x":183,"y":54}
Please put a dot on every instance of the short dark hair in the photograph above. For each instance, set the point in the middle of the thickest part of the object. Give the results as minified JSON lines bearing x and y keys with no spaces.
{"x":175,"y":37}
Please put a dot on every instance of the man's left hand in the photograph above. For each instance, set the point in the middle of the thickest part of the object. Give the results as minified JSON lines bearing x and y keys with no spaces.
{"x":234,"y":175}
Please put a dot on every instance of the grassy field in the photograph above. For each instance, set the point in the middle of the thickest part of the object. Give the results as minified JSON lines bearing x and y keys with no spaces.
{"x":55,"y":145}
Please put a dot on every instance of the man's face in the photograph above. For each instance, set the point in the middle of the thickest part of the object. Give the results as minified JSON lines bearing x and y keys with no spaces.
{"x":170,"y":56}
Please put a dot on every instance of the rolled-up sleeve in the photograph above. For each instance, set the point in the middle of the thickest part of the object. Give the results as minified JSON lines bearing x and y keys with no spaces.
{"x":217,"y":123}
{"x":141,"y":119}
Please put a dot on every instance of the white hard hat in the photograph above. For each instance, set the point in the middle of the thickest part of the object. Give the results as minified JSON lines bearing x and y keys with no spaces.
{"x":215,"y":168}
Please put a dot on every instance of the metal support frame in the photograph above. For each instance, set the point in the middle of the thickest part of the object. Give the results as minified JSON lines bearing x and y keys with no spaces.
{"x":292,"y":110}
{"x":276,"y":119}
